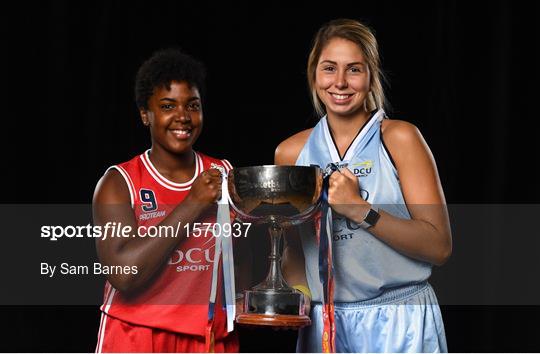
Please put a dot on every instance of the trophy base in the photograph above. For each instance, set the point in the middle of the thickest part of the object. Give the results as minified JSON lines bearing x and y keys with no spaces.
{"x":257,"y":319}
{"x":265,"y":307}
{"x":271,"y":302}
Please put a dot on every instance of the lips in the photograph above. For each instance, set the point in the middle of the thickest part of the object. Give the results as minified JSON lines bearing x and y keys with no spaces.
{"x":181,"y":133}
{"x":340,"y":98}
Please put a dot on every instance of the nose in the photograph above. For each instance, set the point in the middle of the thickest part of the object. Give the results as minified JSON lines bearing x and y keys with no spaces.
{"x":183,"y":115}
{"x":341,"y":80}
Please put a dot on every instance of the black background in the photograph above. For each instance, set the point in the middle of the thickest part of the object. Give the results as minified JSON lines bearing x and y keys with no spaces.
{"x":465,"y":73}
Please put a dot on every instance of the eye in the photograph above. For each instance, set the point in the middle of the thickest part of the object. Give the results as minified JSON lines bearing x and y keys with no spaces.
{"x":194,"y":106}
{"x":329,"y":68}
{"x":356,"y":69}
{"x":167,"y":106}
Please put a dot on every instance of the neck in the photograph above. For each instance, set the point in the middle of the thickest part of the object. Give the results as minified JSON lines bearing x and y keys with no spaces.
{"x":169,"y":163}
{"x":346,"y":125}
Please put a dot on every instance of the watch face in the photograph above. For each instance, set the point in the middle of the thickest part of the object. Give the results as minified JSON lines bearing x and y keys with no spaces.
{"x":372,"y":217}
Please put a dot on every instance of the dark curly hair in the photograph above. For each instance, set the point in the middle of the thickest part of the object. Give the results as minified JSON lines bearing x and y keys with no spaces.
{"x":163,"y":67}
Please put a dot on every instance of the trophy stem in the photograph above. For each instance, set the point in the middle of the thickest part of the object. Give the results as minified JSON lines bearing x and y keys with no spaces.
{"x":274,"y":280}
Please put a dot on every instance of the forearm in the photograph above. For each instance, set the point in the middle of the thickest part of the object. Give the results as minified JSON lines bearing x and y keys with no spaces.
{"x":149,"y":254}
{"x":416,"y":238}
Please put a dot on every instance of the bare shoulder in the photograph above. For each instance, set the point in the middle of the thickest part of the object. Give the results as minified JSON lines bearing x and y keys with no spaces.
{"x":414,"y":162}
{"x":405,"y":143}
{"x":288,"y":150}
{"x":403,"y":138}
{"x":400,"y":132}
{"x":111,"y":188}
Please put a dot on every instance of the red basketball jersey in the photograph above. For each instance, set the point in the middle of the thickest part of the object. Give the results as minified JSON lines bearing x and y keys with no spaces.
{"x":177,"y":298}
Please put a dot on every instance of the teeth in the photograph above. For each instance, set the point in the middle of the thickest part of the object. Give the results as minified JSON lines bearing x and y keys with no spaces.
{"x":178,"y":131}
{"x":340,"y":97}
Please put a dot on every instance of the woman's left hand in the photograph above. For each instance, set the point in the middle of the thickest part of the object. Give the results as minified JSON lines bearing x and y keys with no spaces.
{"x":344,"y":192}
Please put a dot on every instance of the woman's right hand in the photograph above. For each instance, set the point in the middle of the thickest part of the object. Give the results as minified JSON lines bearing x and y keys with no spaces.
{"x":206,"y":189}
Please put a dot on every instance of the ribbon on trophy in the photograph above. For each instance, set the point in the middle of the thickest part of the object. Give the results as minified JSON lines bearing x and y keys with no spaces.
{"x":324,"y":230}
{"x":223,"y":250}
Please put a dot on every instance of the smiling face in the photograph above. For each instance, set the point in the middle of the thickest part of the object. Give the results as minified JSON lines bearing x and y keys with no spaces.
{"x":342,"y":78}
{"x":175,"y":117}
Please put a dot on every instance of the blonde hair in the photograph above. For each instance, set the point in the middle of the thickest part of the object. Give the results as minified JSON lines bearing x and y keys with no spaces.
{"x":362,"y":36}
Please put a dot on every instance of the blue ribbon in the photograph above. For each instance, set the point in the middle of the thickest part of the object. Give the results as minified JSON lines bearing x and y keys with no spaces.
{"x":326,"y":230}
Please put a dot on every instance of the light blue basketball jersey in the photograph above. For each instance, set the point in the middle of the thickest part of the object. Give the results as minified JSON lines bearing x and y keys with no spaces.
{"x":364,"y":266}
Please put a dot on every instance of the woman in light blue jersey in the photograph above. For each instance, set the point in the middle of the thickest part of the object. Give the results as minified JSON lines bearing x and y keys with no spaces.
{"x":390,"y":223}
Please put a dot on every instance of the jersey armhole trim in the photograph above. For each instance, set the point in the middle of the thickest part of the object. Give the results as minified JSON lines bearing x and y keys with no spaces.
{"x":104,"y":315}
{"x":298,"y":161}
{"x":128,"y":181}
{"x":388,"y":155}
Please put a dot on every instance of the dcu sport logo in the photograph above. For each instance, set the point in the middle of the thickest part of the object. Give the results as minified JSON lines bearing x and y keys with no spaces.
{"x":362,"y":169}
{"x":196,"y":259}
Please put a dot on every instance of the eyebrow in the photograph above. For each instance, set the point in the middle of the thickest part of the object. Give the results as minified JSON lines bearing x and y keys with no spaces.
{"x":350,"y":64}
{"x":168,"y":99}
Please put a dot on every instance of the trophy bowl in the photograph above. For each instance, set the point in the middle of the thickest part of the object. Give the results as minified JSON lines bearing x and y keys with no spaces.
{"x":280,"y":196}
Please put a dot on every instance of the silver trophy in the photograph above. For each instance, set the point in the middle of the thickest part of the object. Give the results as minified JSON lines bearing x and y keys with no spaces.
{"x":281,"y":196}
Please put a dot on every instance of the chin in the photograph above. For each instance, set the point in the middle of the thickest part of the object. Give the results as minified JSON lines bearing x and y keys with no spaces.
{"x":347,"y":111}
{"x":342,"y":112}
{"x":178,"y":149}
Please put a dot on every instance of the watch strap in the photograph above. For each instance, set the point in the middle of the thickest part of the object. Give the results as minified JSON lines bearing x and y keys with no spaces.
{"x":371,"y":218}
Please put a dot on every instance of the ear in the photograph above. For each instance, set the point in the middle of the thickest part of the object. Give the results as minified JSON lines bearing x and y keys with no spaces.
{"x":144,"y":117}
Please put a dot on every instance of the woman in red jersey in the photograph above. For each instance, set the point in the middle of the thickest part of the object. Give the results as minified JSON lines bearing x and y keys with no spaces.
{"x":158,"y":288}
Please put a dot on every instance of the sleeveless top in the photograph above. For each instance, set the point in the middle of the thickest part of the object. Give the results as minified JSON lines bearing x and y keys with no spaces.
{"x":364,"y":266}
{"x":176,"y":300}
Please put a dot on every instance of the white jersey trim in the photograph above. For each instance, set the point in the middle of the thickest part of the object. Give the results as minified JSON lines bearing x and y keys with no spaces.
{"x":375,"y":119}
{"x":99,"y":346}
{"x":351,"y":150}
{"x":128,"y":181}
{"x":164,"y":181}
{"x":227,"y":165}
{"x":105,"y":309}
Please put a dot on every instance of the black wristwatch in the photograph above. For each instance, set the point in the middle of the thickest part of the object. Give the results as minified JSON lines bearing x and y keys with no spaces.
{"x":371,"y":218}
